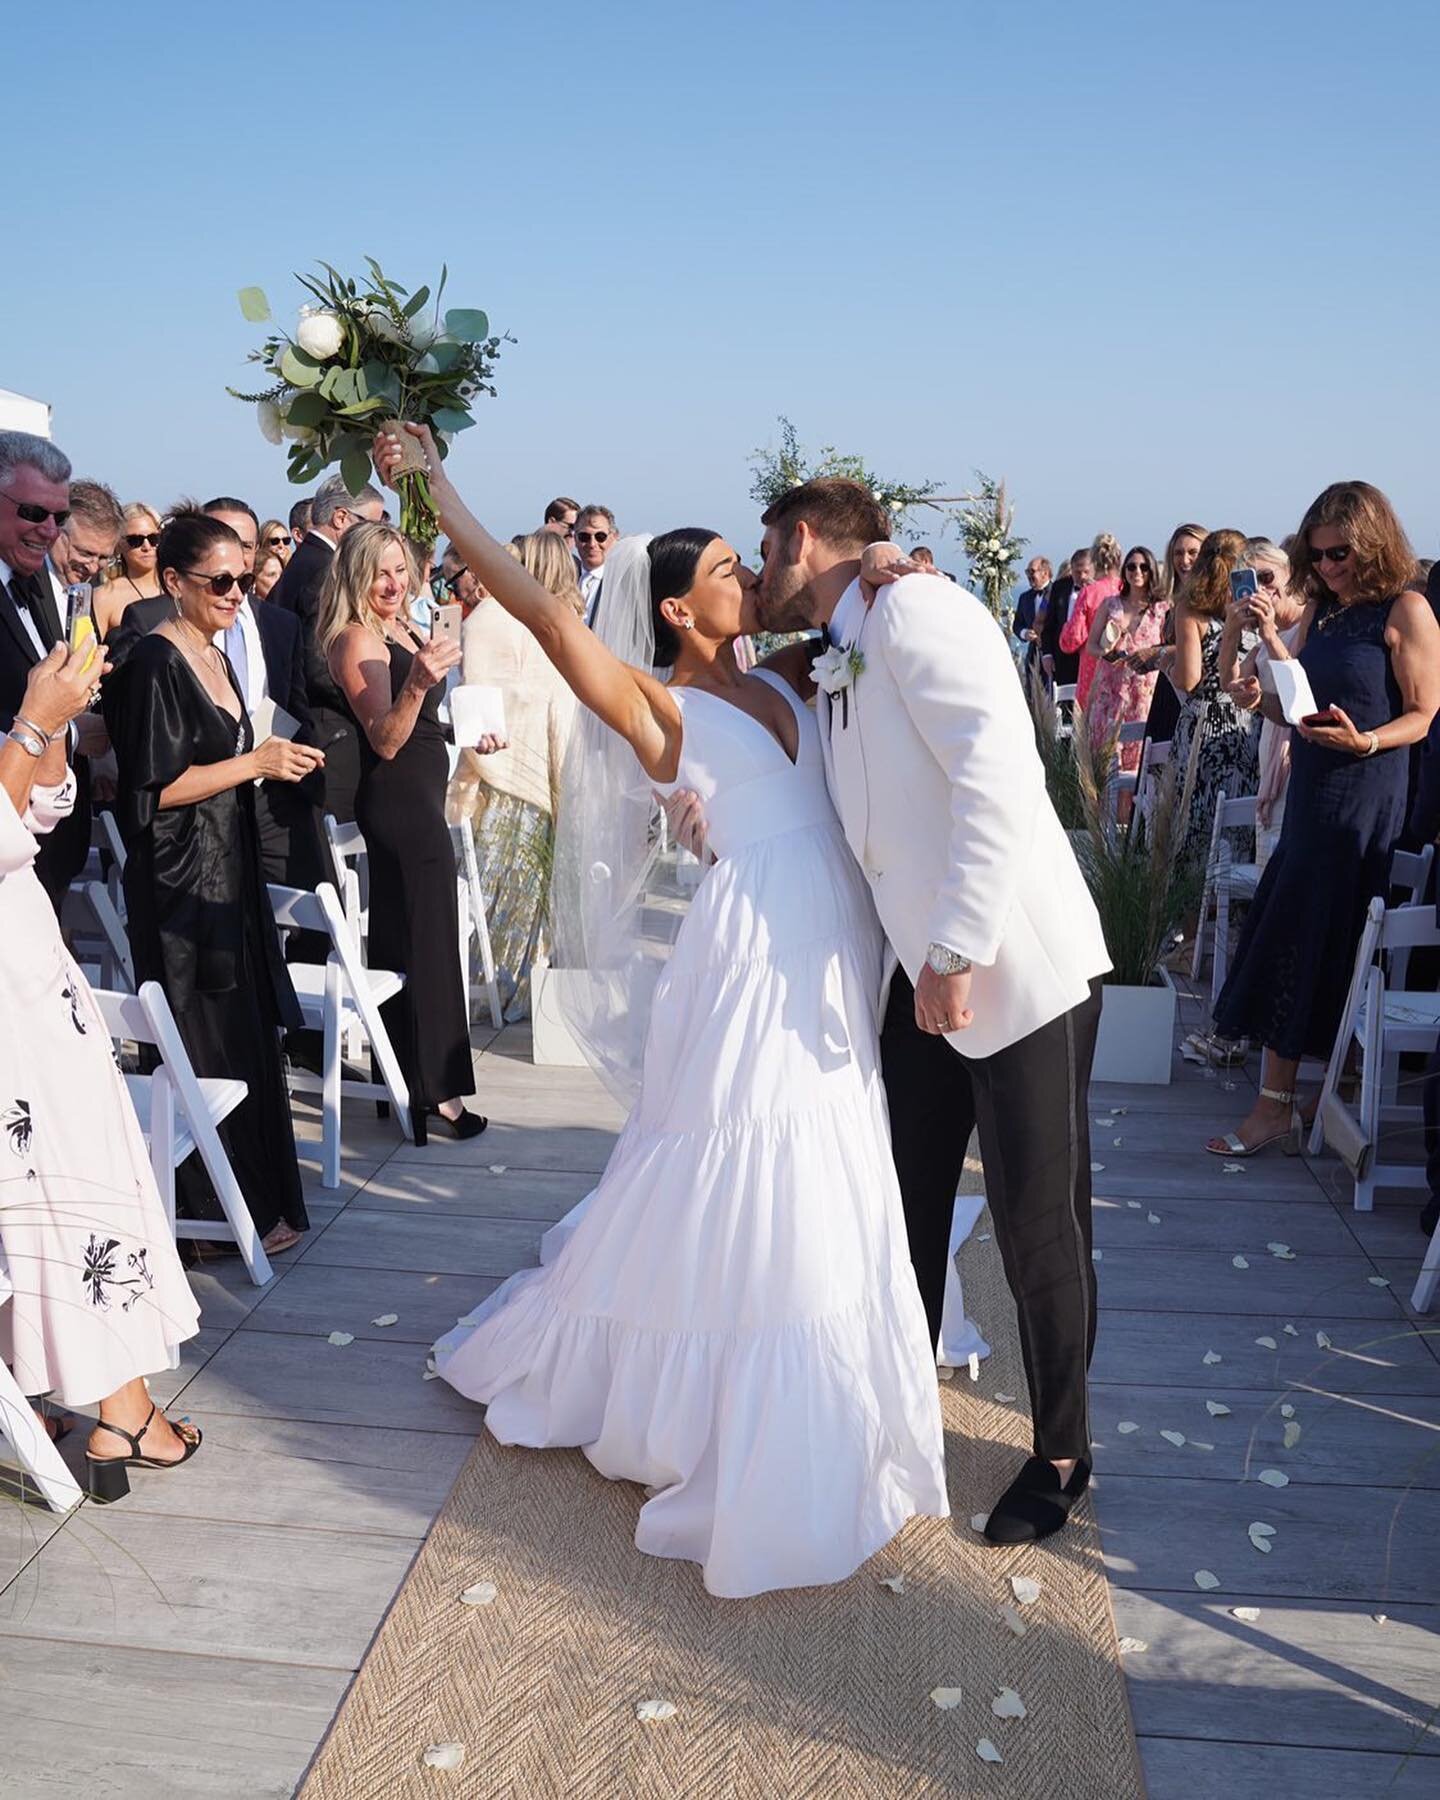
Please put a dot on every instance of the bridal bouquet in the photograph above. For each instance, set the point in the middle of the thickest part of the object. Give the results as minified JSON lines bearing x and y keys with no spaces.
{"x":368,"y":356}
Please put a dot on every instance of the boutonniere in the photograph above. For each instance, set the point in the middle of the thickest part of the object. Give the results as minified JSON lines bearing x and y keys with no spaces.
{"x":837,"y":670}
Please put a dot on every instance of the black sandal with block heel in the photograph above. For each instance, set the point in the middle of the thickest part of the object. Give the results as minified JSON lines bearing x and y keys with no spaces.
{"x":108,"y":1478}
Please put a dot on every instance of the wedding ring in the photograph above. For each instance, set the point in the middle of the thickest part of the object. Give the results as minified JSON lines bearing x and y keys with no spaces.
{"x":943,"y":1024}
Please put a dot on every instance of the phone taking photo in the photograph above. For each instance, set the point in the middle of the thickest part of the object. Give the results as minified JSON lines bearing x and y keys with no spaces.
{"x":1244,"y":585}
{"x":446,"y":624}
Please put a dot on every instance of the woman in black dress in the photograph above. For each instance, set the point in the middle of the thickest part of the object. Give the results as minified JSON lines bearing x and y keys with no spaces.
{"x":394,"y":681}
{"x":1371,"y":650}
{"x":199,"y":917}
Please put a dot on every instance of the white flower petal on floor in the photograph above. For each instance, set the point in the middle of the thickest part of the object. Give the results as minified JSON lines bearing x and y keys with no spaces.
{"x":1267,"y":1343}
{"x":444,"y":1756}
{"x":1132,"y":1646}
{"x":1217,"y":1409}
{"x":1013,"y":1620}
{"x":947,"y":1699}
{"x":653,"y":1712}
{"x":1292,"y":1434}
{"x":340,"y":1339}
{"x":387,"y":1319}
{"x":481,"y":1593}
{"x":1233,"y":1168}
{"x":1177,"y":1438}
{"x":987,"y":1752}
{"x":1097,"y":1256}
{"x":895,"y":1583}
{"x":1377,"y":1280}
{"x":1097,"y":1168}
{"x":1206,"y":1579}
{"x":1287,"y":1411}
{"x":499,"y":1168}
{"x":1239,"y":1262}
{"x":1276,"y":1478}
{"x":1247,"y":1615}
{"x":1211,"y":1357}
{"x":1136,"y":1205}
{"x":978,"y":1521}
{"x":1025,"y":1589}
{"x":1007,"y":1704}
{"x":1290,"y":1331}
{"x":1005,"y":1399}
{"x":1322,"y":1340}
{"x":1126,"y":1426}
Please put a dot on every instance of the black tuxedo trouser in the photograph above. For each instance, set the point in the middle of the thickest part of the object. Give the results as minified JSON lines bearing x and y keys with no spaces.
{"x":1030,"y":1103}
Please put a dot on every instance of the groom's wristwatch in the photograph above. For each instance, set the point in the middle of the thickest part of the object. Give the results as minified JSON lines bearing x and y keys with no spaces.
{"x":945,"y":961}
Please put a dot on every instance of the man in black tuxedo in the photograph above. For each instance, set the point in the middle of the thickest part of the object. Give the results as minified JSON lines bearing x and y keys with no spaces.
{"x":333,"y":512}
{"x":1062,"y":667}
{"x":34,"y":509}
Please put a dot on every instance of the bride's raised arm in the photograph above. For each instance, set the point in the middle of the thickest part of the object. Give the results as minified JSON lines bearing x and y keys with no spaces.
{"x":630,"y":701}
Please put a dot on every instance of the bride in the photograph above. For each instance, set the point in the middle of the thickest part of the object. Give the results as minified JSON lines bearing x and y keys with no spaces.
{"x":731,"y":1317}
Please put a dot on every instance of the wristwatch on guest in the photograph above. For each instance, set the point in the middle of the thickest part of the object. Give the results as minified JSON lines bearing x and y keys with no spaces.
{"x":945,"y":961}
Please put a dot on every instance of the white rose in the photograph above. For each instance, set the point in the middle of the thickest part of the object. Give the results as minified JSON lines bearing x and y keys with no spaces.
{"x":268,"y":415}
{"x":831,"y":670}
{"x":319,"y":334}
{"x":298,"y":434}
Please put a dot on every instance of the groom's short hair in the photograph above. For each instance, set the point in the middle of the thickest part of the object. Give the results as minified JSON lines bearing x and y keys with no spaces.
{"x":839,"y":512}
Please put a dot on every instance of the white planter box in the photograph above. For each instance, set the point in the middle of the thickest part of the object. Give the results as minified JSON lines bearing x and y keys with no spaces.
{"x":551,"y":1042}
{"x":1137,"y":1034}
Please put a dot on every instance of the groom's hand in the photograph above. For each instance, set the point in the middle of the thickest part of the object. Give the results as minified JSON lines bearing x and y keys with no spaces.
{"x":942,"y":1002}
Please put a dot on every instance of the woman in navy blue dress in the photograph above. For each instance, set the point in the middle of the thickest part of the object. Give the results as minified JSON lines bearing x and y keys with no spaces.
{"x":1370,"y":647}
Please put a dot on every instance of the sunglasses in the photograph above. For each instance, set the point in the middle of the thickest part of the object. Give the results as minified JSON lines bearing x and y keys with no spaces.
{"x":277,"y":543}
{"x":136,"y":538}
{"x":221,"y":584}
{"x":37,"y":515}
{"x":1266,"y":577}
{"x":1337,"y":553}
{"x":1137,"y":568}
{"x":592,"y":537}
{"x":451,"y":583}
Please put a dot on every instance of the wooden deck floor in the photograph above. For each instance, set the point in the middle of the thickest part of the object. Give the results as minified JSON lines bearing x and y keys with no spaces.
{"x":196,"y":1640}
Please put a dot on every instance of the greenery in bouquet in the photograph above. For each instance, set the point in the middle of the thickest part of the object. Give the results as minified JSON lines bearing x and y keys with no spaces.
{"x":987,"y":532}
{"x":367,"y":354}
{"x":777,"y":471}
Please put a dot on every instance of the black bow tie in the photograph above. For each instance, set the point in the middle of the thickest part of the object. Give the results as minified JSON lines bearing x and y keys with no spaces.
{"x":26,"y":594}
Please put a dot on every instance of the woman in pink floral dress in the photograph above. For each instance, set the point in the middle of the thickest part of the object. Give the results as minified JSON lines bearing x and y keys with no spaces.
{"x":1132,"y":620}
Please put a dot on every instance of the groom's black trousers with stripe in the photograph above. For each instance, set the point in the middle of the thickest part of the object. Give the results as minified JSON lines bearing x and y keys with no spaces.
{"x":1030,"y":1103}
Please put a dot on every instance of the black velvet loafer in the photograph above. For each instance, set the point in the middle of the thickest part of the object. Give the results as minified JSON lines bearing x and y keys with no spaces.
{"x":1036,"y":1504}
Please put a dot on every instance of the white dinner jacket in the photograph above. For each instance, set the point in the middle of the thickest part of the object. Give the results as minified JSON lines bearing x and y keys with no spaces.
{"x":942,"y":795}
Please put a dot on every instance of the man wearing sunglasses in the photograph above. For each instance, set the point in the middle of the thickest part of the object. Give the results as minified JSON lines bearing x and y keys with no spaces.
{"x":595,"y":532}
{"x":34,"y":512}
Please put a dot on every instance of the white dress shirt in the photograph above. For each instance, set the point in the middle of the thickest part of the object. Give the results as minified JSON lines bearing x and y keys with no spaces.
{"x":589,"y":586}
{"x":257,"y":685}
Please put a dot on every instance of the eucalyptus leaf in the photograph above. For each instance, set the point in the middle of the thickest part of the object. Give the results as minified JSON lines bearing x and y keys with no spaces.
{"x":341,"y":386}
{"x":355,"y":467}
{"x":448,"y":356}
{"x":469,"y":326}
{"x":298,"y":369}
{"x":254,"y":305}
{"x":416,"y":302}
{"x":446,"y":418}
{"x":307,"y":409}
{"x":307,"y":471}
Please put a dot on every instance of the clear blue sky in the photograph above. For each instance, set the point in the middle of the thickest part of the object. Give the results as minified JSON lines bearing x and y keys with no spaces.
{"x":1148,"y":262}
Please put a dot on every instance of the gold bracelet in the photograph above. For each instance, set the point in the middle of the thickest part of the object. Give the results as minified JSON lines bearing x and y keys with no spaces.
{"x":1374,"y":744}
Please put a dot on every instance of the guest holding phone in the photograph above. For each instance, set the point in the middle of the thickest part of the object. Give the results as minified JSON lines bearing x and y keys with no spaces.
{"x":393,"y":680}
{"x":1275,"y":612}
{"x":1128,"y":623}
{"x":1370,"y":646}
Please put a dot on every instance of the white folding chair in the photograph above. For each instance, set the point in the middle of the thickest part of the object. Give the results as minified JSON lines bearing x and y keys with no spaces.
{"x":178,"y":1111}
{"x":1225,"y":880}
{"x":96,"y":935}
{"x":1064,"y":695}
{"x":333,"y":995}
{"x":1125,"y":781}
{"x":1424,"y":1296}
{"x":27,"y":1437}
{"x":1384,"y":1021}
{"x":474,"y":923}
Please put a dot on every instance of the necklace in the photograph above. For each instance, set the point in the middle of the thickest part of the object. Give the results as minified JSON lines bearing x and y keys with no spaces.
{"x":184,"y":626}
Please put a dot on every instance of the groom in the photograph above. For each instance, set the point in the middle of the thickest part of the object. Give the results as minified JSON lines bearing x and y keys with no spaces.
{"x":992,"y":1012}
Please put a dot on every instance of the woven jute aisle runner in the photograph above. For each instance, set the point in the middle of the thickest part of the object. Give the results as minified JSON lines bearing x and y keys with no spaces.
{"x":823,"y":1692}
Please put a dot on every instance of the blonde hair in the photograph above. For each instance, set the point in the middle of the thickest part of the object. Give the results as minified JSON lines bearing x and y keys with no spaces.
{"x":1105,"y":555}
{"x":353,"y":571}
{"x":546,"y":556}
{"x":1207,"y":593}
{"x":137,"y":509}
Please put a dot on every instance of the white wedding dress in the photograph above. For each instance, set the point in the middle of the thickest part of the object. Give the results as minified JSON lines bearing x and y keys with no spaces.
{"x":731,"y":1317}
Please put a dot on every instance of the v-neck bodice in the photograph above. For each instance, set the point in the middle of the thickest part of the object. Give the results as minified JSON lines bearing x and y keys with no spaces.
{"x":747,"y":784}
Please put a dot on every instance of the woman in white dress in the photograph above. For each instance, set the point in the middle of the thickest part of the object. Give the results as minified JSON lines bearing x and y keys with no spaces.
{"x":98,"y":1297}
{"x":731,"y":1318}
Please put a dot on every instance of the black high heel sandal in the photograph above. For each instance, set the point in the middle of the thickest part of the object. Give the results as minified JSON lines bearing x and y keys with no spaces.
{"x":468,"y":1125}
{"x":108,"y":1478}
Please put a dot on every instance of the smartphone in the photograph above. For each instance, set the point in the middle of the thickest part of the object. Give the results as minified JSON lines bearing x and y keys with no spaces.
{"x":445,"y":624}
{"x":1320,"y":718}
{"x":1244,"y":585}
{"x":80,"y":625}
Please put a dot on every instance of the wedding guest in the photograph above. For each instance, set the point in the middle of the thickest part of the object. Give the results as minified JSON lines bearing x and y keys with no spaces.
{"x":1131,"y":621}
{"x":333,"y":512}
{"x":1215,"y":748}
{"x":266,"y":657}
{"x":133,"y":576}
{"x":1180,"y":555}
{"x":924,"y":556}
{"x":393,"y":682}
{"x":34,"y":510}
{"x":269,"y":567}
{"x":1276,"y":613}
{"x":1370,"y":646}
{"x":510,"y":797}
{"x":1075,"y":633}
{"x":1030,"y":614}
{"x":199,"y":917}
{"x":275,"y":540}
{"x":86,"y":544}
{"x":560,"y":517}
{"x":99,"y":1298}
{"x":1061,"y":666}
{"x":595,"y":531}
{"x":299,"y":521}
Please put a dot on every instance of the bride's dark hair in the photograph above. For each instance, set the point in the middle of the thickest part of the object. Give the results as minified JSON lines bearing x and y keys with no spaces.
{"x":674,"y":558}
